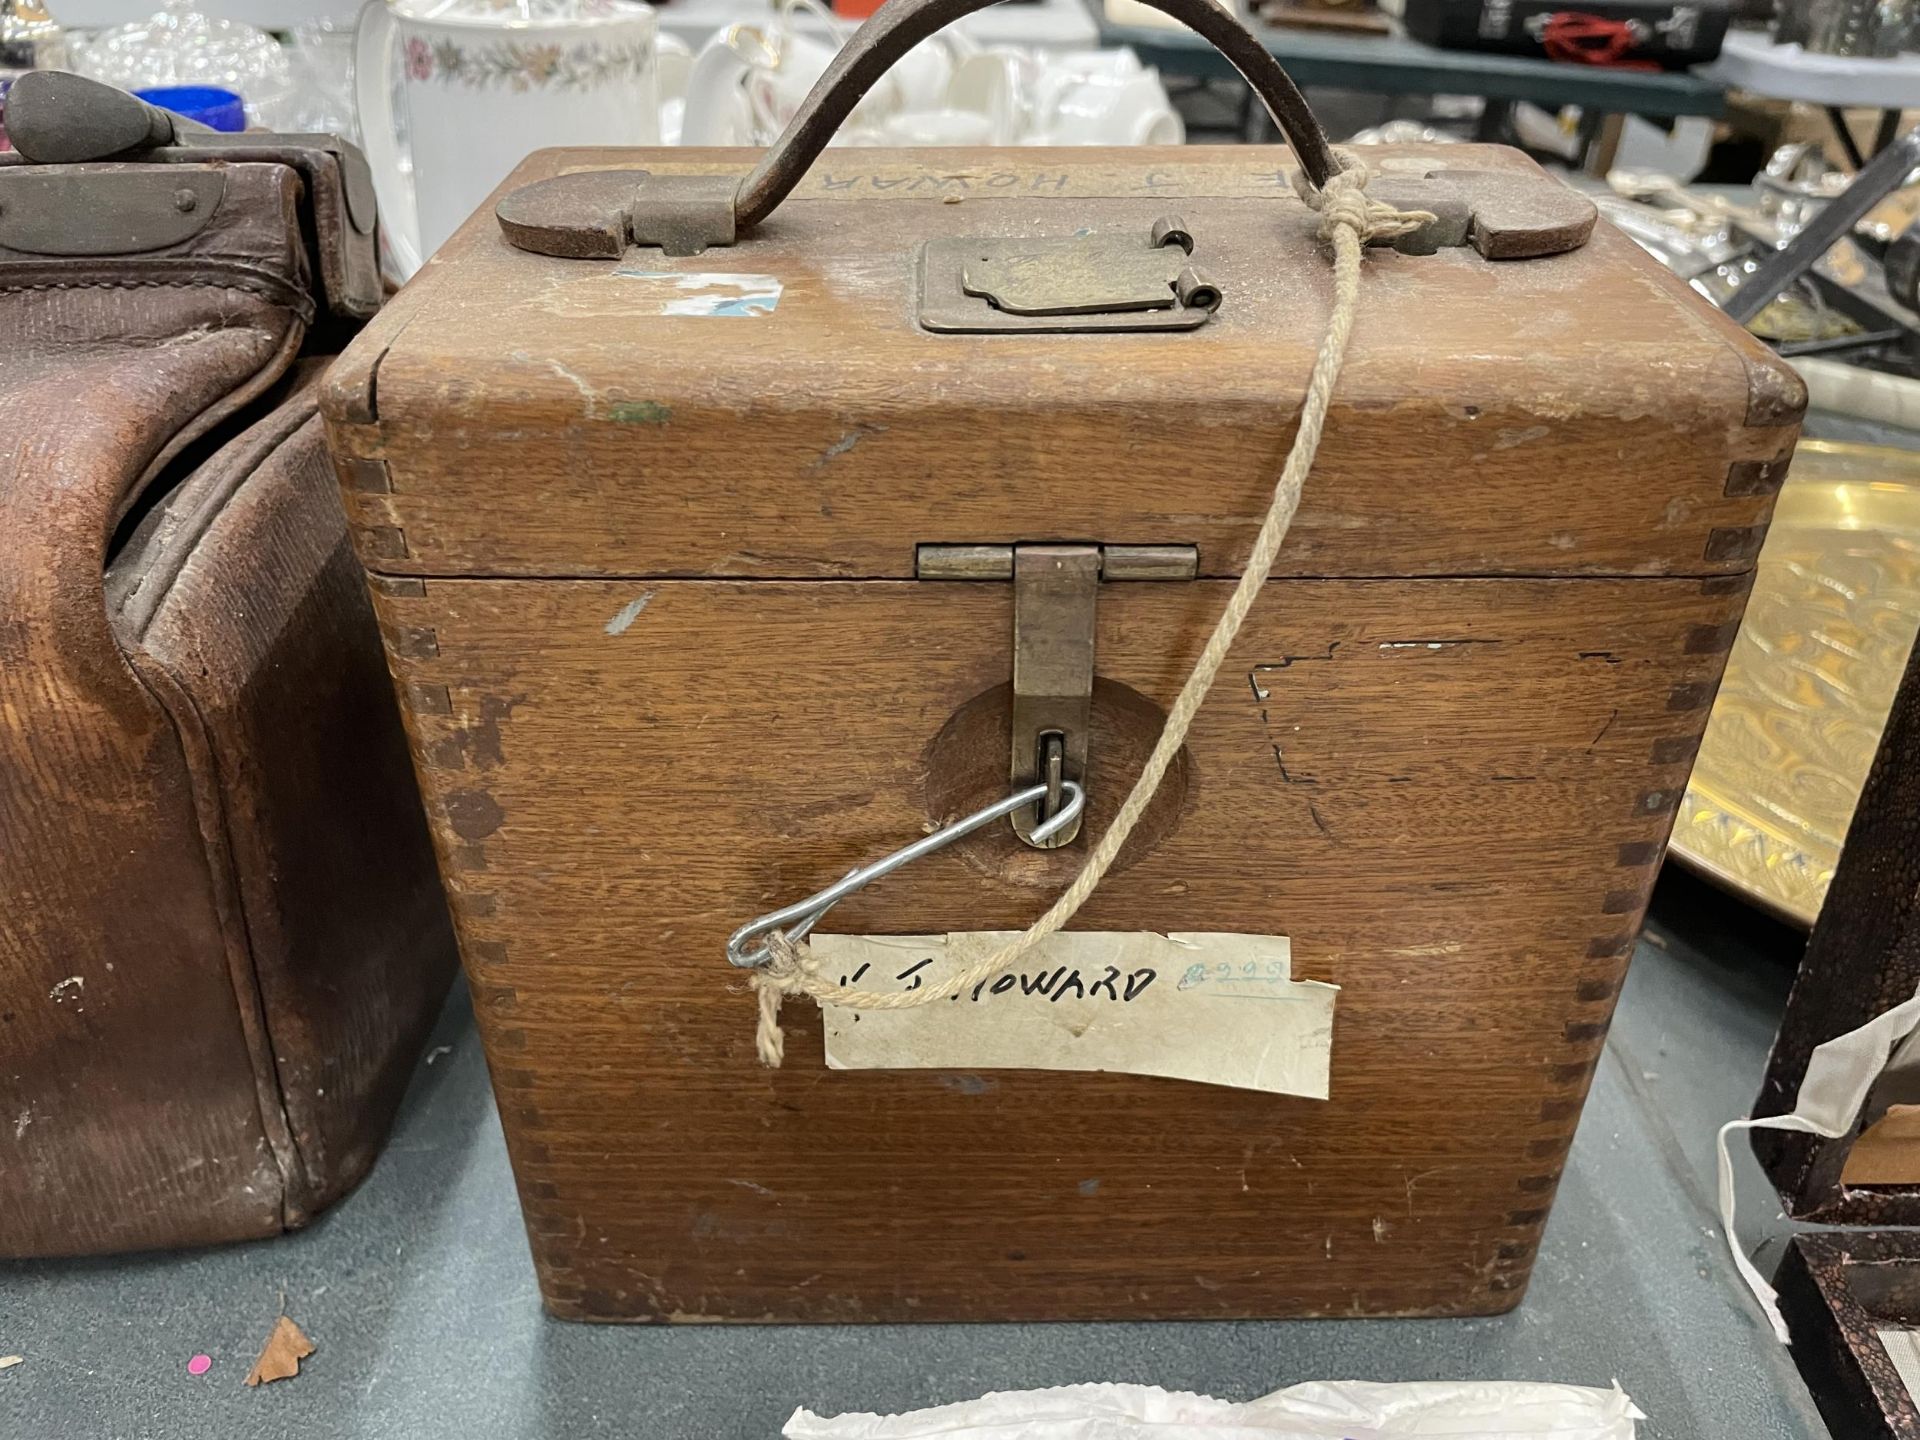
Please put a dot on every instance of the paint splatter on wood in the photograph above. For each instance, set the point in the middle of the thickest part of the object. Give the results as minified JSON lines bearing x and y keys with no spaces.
{"x":628,"y":613}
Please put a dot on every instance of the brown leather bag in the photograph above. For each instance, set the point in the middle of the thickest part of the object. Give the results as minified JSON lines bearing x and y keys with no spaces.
{"x":222,"y":940}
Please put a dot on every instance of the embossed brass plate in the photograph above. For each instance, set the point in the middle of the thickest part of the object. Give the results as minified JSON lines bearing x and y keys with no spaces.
{"x":1076,"y":275}
{"x":1834,"y":611}
{"x":991,"y":283}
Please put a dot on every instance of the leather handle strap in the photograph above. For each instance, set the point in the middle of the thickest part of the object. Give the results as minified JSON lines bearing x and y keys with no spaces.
{"x":899,"y":25}
{"x":58,"y":118}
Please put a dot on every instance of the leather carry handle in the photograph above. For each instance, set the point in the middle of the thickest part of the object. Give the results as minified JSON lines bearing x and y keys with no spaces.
{"x":58,"y":118}
{"x":899,"y":25}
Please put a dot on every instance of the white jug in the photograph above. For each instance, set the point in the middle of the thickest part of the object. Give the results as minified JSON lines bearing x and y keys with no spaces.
{"x":483,"y":85}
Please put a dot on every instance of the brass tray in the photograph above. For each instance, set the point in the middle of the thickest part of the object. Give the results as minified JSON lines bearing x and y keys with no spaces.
{"x":1834,"y":611}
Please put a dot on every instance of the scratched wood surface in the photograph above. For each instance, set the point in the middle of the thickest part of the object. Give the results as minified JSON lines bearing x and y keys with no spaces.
{"x":534,"y":421}
{"x":646,"y":590}
{"x":1452,"y":795}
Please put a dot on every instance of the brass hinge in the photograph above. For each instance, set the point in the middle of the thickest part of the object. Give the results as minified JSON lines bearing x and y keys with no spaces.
{"x":1055,"y":593}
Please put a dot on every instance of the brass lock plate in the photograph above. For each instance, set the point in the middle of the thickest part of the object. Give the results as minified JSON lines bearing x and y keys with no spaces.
{"x":1116,"y":281}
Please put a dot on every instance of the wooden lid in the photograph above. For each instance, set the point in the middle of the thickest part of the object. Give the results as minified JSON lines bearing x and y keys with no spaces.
{"x":1578,"y":414}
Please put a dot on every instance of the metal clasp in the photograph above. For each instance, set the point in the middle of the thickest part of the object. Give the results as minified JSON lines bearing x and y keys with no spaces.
{"x":799,"y":919}
{"x":1055,"y":589}
{"x":1055,"y":594}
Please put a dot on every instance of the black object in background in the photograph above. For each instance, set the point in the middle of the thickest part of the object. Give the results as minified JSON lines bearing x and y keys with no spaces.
{"x":1639,"y":34}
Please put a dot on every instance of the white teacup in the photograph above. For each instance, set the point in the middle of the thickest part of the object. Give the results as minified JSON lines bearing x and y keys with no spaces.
{"x":716,"y":111}
{"x":749,"y":80}
{"x":791,"y":66}
{"x":1116,"y":64}
{"x":920,"y":77}
{"x":939,"y":127}
{"x":1076,"y":69}
{"x":776,"y":64}
{"x":1104,"y":111}
{"x":485,"y":87}
{"x":994,"y":83}
{"x":674,"y":70}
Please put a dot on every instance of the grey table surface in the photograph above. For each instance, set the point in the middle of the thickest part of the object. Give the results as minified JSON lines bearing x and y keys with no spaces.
{"x":420,"y":1297}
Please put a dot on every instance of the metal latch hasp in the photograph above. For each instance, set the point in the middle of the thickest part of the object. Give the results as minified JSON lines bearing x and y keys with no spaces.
{"x":1055,"y":598}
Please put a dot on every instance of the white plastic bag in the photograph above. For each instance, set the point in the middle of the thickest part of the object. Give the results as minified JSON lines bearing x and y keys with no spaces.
{"x":1335,"y":1410}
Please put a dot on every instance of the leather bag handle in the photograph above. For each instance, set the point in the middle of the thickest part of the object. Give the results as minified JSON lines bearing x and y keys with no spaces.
{"x":899,"y":25}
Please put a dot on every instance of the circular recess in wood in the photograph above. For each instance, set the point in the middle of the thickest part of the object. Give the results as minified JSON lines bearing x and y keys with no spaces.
{"x":966,"y":766}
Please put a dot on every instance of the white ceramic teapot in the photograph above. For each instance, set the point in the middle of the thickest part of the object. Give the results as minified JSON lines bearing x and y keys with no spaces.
{"x":484,"y":83}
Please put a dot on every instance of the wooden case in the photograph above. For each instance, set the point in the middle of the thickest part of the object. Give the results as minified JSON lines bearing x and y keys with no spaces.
{"x":647,"y":584}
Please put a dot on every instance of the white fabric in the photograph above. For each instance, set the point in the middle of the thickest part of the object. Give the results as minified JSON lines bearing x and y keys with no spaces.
{"x":1338,"y":1410}
{"x":1839,"y":1076}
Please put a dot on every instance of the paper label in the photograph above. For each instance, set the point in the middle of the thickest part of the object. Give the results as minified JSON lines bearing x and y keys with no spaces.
{"x":712,"y":293}
{"x":1220,"y":1009}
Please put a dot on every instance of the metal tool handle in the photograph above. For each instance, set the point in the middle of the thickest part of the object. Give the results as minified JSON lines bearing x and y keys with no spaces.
{"x":898,"y":25}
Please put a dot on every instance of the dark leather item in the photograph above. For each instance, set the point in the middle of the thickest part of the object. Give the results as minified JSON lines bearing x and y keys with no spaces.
{"x":222,"y":939}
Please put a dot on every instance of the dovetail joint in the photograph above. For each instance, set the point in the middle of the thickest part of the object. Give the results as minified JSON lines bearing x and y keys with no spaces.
{"x":382,"y":542}
{"x":1735,"y":542}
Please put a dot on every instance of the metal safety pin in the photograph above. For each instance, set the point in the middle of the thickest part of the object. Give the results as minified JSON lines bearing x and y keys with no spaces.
{"x":808,"y":912}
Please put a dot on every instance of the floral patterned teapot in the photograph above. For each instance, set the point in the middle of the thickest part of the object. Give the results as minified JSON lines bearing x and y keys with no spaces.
{"x":481,"y":85}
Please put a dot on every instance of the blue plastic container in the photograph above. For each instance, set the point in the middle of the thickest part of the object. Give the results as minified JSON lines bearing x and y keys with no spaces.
{"x":214,"y":108}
